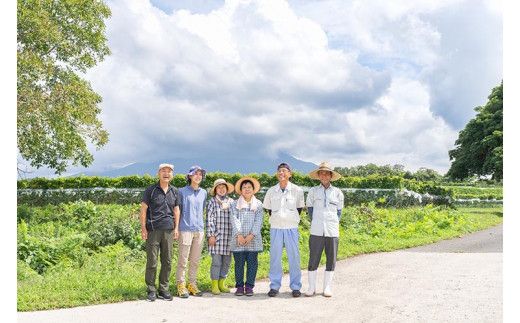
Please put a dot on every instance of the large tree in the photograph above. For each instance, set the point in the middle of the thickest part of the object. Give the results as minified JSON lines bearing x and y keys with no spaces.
{"x":58,"y":41}
{"x":479,"y":148}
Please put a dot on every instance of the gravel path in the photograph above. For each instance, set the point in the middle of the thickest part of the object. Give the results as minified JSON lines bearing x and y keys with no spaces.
{"x":458,"y":280}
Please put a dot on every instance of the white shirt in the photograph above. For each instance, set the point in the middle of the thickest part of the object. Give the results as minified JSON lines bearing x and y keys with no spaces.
{"x":284,"y":205}
{"x":325,"y":204}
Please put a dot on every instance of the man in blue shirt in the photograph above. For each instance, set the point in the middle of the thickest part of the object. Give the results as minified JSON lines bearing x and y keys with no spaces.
{"x":191,"y":231}
{"x":159,"y":211}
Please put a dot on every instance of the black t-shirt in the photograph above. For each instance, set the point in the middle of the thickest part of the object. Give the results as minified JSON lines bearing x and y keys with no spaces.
{"x":159,"y":215}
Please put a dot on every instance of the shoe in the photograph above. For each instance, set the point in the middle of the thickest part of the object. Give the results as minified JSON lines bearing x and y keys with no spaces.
{"x":182,"y":291}
{"x":222,"y":285}
{"x":151,"y":296}
{"x":239,"y":291}
{"x":296,"y":293}
{"x":272,"y":293}
{"x":214,"y":287}
{"x":312,"y":283}
{"x":194,"y":290}
{"x":249,"y":291}
{"x":327,"y":281}
{"x":165,"y":295}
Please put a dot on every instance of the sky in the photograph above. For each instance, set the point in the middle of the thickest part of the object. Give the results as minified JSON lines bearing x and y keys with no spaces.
{"x":349,"y":82}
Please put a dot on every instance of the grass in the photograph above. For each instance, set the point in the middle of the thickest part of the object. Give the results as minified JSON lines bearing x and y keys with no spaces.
{"x":116,"y":272}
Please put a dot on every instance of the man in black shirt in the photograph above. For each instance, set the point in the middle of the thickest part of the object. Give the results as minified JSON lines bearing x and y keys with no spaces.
{"x":160,"y":212}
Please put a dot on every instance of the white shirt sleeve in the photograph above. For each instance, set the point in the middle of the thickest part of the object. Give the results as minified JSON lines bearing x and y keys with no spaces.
{"x":267,"y":200}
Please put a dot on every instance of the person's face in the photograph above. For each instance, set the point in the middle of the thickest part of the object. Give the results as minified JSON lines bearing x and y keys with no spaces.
{"x":325,"y":177}
{"x":283,"y":174}
{"x":221,"y":189}
{"x":165,"y":174}
{"x":247,"y":190}
{"x":197,"y":177}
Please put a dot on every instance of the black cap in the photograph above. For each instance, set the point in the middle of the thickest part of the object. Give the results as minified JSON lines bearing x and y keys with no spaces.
{"x":284,"y":165}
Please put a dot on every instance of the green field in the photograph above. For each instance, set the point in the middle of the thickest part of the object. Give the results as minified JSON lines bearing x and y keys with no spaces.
{"x":81,"y":253}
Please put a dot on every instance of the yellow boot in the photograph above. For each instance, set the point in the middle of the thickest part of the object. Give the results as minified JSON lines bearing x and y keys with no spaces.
{"x":222,"y":286}
{"x":194,"y":290}
{"x":214,"y":287}
{"x":181,"y":290}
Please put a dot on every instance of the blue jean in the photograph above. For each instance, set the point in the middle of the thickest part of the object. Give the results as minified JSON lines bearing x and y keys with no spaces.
{"x":289,"y":238}
{"x":241,"y":257}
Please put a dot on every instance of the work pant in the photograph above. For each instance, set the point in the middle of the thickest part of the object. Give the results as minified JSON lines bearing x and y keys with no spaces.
{"x":190,"y":248}
{"x":316,"y":246}
{"x":289,"y":238}
{"x":158,"y":242}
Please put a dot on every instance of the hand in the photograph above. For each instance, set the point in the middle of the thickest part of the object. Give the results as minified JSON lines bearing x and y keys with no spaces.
{"x":249,"y":238}
{"x":144,"y":234}
{"x":241,"y":241}
{"x":212,"y":241}
{"x":175,"y":234}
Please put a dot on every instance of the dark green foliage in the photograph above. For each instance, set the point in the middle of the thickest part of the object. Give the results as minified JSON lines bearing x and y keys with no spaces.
{"x":479,"y":148}
{"x":57,"y":41}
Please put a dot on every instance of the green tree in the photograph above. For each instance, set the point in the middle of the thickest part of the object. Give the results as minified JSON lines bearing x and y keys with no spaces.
{"x":479,"y":148}
{"x":58,"y":40}
{"x":426,"y":174}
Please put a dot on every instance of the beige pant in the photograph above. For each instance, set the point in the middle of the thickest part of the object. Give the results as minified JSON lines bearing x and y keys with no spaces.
{"x":190,"y":247}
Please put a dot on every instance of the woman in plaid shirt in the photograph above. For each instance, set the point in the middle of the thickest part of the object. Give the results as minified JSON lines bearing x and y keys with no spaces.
{"x":247,"y":217}
{"x":218,"y":229}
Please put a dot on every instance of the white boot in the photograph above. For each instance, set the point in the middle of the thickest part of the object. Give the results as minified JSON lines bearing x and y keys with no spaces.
{"x":312,"y":283}
{"x":327,"y":281}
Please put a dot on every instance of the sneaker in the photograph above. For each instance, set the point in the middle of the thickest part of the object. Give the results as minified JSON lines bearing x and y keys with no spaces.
{"x":239,"y":291}
{"x":296,"y":293}
{"x":151,"y":296}
{"x":194,"y":290}
{"x":272,"y":293}
{"x":249,"y":291}
{"x":182,"y":291}
{"x":165,"y":295}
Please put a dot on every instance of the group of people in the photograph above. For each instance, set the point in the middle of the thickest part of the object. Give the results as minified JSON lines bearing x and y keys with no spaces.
{"x":233,"y":228}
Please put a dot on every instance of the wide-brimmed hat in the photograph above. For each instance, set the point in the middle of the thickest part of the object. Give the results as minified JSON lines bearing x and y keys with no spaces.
{"x":161,"y":166}
{"x":219,"y":181}
{"x":256,"y":184}
{"x":325,"y":166}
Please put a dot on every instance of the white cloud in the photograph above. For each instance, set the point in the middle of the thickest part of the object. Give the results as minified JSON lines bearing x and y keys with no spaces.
{"x":349,"y":82}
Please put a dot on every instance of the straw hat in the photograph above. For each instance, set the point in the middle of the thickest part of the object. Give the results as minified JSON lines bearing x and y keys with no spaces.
{"x":256,"y":184}
{"x":219,"y":181}
{"x":325,"y":166}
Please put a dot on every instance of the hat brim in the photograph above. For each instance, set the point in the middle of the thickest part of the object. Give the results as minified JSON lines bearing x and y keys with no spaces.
{"x":256,"y":184}
{"x":335,"y":175}
{"x":230,"y":188}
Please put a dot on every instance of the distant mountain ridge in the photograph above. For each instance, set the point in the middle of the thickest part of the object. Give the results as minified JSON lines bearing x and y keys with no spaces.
{"x":232,"y":165}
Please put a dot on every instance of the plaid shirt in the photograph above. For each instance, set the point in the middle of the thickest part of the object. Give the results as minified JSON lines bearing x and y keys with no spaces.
{"x":218,"y":224}
{"x":246,"y":221}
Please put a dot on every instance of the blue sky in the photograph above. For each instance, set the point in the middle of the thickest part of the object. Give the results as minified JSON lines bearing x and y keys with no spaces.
{"x":351,"y":82}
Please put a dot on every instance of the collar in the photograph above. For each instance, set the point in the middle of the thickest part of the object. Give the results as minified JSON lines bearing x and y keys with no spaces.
{"x":287,"y":188}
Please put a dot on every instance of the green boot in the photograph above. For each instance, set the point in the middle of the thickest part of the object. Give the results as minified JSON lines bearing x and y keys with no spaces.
{"x":222,"y":286}
{"x":214,"y":287}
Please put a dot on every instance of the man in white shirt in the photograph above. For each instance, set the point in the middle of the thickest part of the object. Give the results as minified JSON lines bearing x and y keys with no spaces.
{"x":284,"y":203}
{"x":324,"y":205}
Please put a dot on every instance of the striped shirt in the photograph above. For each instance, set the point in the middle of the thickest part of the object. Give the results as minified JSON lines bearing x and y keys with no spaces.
{"x":218,"y":224}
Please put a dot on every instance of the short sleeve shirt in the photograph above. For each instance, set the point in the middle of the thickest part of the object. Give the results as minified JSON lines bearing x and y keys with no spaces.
{"x":284,"y":206}
{"x":159,"y":215}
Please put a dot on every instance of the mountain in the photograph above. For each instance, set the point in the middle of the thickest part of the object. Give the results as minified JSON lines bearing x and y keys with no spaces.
{"x":234,"y":165}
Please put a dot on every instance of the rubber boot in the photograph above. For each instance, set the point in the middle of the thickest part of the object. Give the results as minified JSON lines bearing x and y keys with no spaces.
{"x":214,"y":287}
{"x":222,"y":285}
{"x":327,"y":282}
{"x":312,"y":283}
